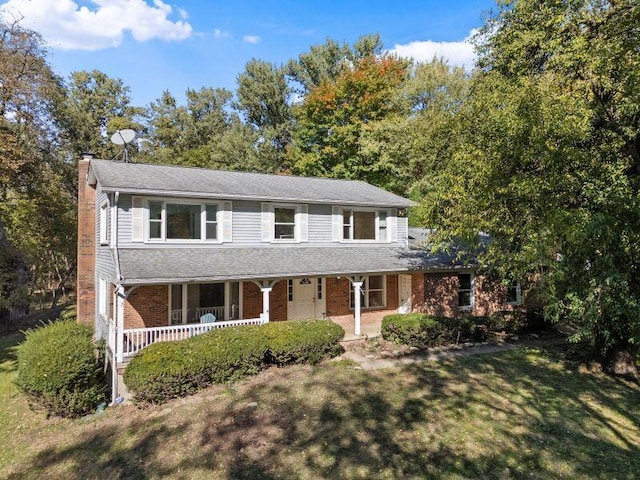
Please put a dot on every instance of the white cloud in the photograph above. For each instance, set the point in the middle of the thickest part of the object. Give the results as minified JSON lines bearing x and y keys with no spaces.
{"x":251,"y":39}
{"x":458,"y":53}
{"x":67,"y":25}
{"x":217,"y":33}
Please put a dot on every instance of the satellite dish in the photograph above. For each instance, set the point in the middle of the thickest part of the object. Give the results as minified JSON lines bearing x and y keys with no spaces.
{"x":123,"y":137}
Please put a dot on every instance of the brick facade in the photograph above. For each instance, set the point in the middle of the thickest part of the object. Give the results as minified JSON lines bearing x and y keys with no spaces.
{"x":441,"y":295}
{"x":338,"y":298}
{"x":252,"y":301}
{"x":86,"y":284}
{"x":147,"y":306}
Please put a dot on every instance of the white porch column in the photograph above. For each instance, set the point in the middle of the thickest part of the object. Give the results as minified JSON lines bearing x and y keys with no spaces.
{"x":119,"y":347}
{"x":265,"y":303}
{"x":357,"y":289}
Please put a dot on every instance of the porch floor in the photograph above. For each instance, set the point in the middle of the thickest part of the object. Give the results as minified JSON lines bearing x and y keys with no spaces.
{"x":371,"y":327}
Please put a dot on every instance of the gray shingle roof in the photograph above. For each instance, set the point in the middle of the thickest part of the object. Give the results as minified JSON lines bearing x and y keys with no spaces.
{"x":172,"y":180}
{"x":165,"y":265}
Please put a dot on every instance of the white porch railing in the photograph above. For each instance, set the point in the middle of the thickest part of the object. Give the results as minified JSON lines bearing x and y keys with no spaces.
{"x":217,"y":311}
{"x":135,"y":339}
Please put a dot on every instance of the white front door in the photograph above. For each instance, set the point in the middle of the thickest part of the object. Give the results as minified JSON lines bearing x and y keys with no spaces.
{"x":404,"y":290}
{"x":304,"y":298}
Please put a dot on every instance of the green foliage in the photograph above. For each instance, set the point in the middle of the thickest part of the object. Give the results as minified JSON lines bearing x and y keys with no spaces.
{"x":174,"y":369}
{"x":301,"y":341}
{"x":422,"y":330}
{"x":60,"y":369}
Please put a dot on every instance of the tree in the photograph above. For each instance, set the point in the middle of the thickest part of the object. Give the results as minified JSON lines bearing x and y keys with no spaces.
{"x":549,"y":165}
{"x":263,"y":98}
{"x":335,"y":116}
{"x":326,"y":62}
{"x":95,"y":106}
{"x":29,"y":169}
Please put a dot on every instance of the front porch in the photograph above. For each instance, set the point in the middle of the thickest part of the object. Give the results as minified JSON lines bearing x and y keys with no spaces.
{"x":149,"y":314}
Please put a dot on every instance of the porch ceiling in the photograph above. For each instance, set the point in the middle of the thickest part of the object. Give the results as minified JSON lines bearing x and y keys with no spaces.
{"x":181,"y":264}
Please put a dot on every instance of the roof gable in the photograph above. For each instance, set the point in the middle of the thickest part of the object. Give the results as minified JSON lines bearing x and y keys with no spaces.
{"x":148,"y":179}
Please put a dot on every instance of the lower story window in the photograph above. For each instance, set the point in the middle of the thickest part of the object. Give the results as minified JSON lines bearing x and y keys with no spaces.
{"x":514,"y":294}
{"x":465,"y":290}
{"x":372,"y":292}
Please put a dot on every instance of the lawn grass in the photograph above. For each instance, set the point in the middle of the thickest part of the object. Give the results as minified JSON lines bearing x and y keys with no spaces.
{"x":518,"y":414}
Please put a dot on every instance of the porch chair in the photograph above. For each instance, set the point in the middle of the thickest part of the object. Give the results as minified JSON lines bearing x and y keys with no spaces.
{"x":208,"y":318}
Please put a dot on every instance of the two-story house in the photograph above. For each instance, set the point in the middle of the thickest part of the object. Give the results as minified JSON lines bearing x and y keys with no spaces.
{"x":168,"y":252}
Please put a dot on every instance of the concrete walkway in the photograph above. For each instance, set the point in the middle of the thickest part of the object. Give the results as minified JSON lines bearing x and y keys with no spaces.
{"x":377,"y":362}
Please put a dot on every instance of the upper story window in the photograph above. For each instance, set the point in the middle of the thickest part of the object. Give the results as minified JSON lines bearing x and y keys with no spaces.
{"x":104,"y":225}
{"x":364,"y":225}
{"x":465,"y":291}
{"x":183,"y":221}
{"x":286,"y":223}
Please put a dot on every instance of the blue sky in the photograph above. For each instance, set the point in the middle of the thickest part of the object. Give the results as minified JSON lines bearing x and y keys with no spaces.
{"x":155,"y":45}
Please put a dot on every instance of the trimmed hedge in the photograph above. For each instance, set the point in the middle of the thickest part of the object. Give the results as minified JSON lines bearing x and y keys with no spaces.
{"x":422,"y":330}
{"x":302,"y":341}
{"x":174,"y":369}
{"x":61,"y":369}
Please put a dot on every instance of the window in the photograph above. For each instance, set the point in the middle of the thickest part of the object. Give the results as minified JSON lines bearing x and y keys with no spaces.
{"x":514,"y":294}
{"x":290,"y":290}
{"x":364,"y":225}
{"x":211,"y":222}
{"x":155,"y":220}
{"x":319,"y":292}
{"x":104,"y":226}
{"x":382,"y":225}
{"x":103,"y":293}
{"x":183,"y":221}
{"x":465,"y":290}
{"x":284,"y":223}
{"x":372,"y":292}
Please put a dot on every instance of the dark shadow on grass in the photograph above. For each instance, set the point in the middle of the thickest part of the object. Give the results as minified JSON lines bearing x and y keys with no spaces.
{"x":420,"y":421}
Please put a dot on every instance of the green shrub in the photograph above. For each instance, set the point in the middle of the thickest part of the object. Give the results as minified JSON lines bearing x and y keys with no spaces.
{"x":422,"y":330}
{"x":174,"y":369}
{"x":60,"y":368}
{"x":302,"y":341}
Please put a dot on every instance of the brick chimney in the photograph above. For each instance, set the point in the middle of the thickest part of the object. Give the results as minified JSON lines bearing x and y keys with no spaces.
{"x":86,"y":288}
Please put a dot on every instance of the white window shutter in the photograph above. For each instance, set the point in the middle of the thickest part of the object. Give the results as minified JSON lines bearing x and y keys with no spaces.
{"x":336,"y":217}
{"x":227,"y":222}
{"x":392,"y":225}
{"x":267,"y":222}
{"x":304,"y":223}
{"x":137,"y":219}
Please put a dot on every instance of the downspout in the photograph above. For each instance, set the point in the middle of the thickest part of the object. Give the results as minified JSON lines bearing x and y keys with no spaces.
{"x":119,"y":321}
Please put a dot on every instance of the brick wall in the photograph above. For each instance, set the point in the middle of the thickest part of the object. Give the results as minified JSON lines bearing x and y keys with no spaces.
{"x":393,"y":302}
{"x":417,"y":293}
{"x":337,"y":296}
{"x":441,"y":295}
{"x":147,"y":306}
{"x":86,"y":287}
{"x":252,"y":301}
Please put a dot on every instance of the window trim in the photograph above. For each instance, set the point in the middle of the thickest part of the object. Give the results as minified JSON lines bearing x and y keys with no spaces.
{"x":377,"y":211}
{"x":103,"y":293}
{"x":471,"y":290}
{"x":364,"y":301}
{"x":163,"y":220}
{"x":296,"y":223}
{"x":518,"y":300}
{"x":104,"y":226}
